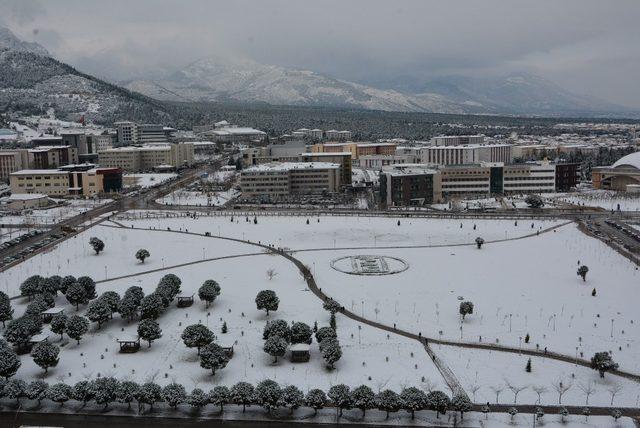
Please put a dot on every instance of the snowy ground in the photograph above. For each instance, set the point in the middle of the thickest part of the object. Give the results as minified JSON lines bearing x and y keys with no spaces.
{"x":552,"y":304}
{"x":194,"y":198}
{"x":149,"y":180}
{"x":608,"y":200}
{"x":54,"y":214}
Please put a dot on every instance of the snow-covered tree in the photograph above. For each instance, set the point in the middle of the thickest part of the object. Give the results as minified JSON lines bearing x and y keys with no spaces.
{"x":197,"y":336}
{"x":301,"y":333}
{"x":134,"y":293}
{"x":36,"y":390}
{"x":209,"y":291}
{"x":219,"y":396}
{"x":438,"y":402}
{"x":316,"y":399}
{"x":149,"y":393}
{"x":151,"y":306}
{"x":128,"y":307}
{"x":241,"y":394}
{"x":213,"y":357}
{"x":66,"y":283}
{"x":534,"y":201}
{"x":603,"y":362}
{"x":291,"y":398}
{"x":278,"y":328}
{"x":127,"y":391}
{"x":76,"y":295}
{"x":413,"y":399}
{"x":616,"y":414}
{"x":9,"y":362}
{"x":105,"y":390}
{"x":388,"y":401}
{"x":466,"y":308}
{"x":6,"y":312}
{"x":512,"y":412}
{"x":51,"y":285}
{"x":31,"y":286}
{"x":197,"y":399}
{"x":142,"y":254}
{"x":331,"y":306}
{"x":275,"y":346}
{"x":563,"y":412}
{"x":149,"y":330}
{"x":174,"y":281}
{"x":479,"y":242}
{"x":59,"y":324}
{"x":340,"y":396}
{"x":462,"y":404}
{"x":363,"y":398}
{"x":14,"y":389}
{"x":331,"y":351}
{"x":83,"y":391}
{"x":96,"y":244}
{"x":112,"y":299}
{"x":59,"y":393}
{"x":45,"y":355}
{"x":267,"y":394}
{"x":76,"y":327}
{"x":99,"y":311}
{"x":35,"y":308}
{"x":267,"y":300}
{"x":20,"y":330}
{"x":582,"y":272}
{"x":89,"y":286}
{"x":324,"y":333}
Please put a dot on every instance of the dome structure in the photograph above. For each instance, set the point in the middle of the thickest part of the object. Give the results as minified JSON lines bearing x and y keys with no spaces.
{"x":631,"y":160}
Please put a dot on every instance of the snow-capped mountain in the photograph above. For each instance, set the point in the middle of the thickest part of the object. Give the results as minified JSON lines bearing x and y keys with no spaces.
{"x":33,"y":82}
{"x":222,"y":79}
{"x":231,"y":79}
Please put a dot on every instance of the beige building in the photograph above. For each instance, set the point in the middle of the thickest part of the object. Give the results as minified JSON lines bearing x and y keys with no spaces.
{"x":23,"y":201}
{"x":281,"y":179}
{"x":145,"y":158}
{"x":45,"y":181}
{"x":10,"y":161}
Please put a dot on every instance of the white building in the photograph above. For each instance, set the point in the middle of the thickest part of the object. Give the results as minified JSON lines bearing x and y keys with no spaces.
{"x":457,"y":140}
{"x":468,"y":154}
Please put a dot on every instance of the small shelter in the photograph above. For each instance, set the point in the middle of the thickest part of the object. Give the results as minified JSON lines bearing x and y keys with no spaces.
{"x":38,"y":338}
{"x":227,"y":347}
{"x":184,"y":301}
{"x":300,"y":352}
{"x":129,"y":345}
{"x":48,"y":314}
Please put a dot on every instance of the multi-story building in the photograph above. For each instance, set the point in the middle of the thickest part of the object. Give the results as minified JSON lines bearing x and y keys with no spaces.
{"x":45,"y":181}
{"x":377,"y":162}
{"x":236,"y":134}
{"x":469,"y":154}
{"x":84,"y":180}
{"x":457,"y":140}
{"x":127,"y":132}
{"x":45,"y":157}
{"x":356,"y":149}
{"x":343,"y":159}
{"x":145,"y":158}
{"x":10,"y":161}
{"x":469,"y":180}
{"x":567,"y":176}
{"x":405,"y":185}
{"x":280,"y":179}
{"x":151,"y":134}
{"x":333,"y":135}
{"x":529,"y":178}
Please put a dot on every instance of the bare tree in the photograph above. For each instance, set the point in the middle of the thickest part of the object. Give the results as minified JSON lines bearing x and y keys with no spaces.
{"x":588,"y":390}
{"x":614,"y":390}
{"x":540,"y":389}
{"x":561,"y":387}
{"x":497,"y":390}
{"x":516,"y":389}
{"x":474,"y":389}
{"x":429,"y":385}
{"x":271,"y":273}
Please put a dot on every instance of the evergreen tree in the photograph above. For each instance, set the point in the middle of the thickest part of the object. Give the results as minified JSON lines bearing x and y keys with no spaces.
{"x":292,"y":398}
{"x":512,"y":411}
{"x":37,"y":306}
{"x":462,"y":404}
{"x":197,"y":399}
{"x":528,"y":366}
{"x":83,"y":391}
{"x":527,"y":338}
{"x":219,"y":396}
{"x":149,"y":393}
{"x":466,"y":308}
{"x":59,"y":393}
{"x":438,"y":402}
{"x":332,"y":322}
{"x":267,"y":394}
{"x":45,"y":355}
{"x":324,"y":333}
{"x":197,"y":336}
{"x":331,"y":351}
{"x":388,"y":401}
{"x":151,"y":306}
{"x":224,"y":328}
{"x":149,"y":330}
{"x":534,"y":201}
{"x":6,"y":312}
{"x":241,"y":394}
{"x":602,"y":362}
{"x":275,"y":346}
{"x":99,"y":311}
{"x":20,"y":330}
{"x":9,"y":362}
{"x":51,"y":285}
{"x":209,"y":291}
{"x":89,"y":286}
{"x":278,"y":328}
{"x":331,"y":306}
{"x":479,"y":242}
{"x":413,"y":399}
{"x":31,"y":286}
{"x":59,"y":324}
{"x":340,"y":397}
{"x":66,"y":283}
{"x":316,"y":399}
{"x":127,"y":391}
{"x":142,"y":254}
{"x":112,"y":299}
{"x":76,"y":327}
{"x":96,"y":244}
{"x":76,"y":295}
{"x":36,"y":390}
{"x":213,"y":357}
{"x":363,"y":398}
{"x":301,"y":333}
{"x":134,"y":293}
{"x":14,"y":389}
{"x":105,"y":390}
{"x":128,"y":307}
{"x":582,"y":272}
{"x":267,"y":300}
{"x":174,"y":394}
{"x":174,"y":281}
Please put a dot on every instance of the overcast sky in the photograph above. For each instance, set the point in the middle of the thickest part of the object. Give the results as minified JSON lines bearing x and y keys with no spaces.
{"x":587,"y":46}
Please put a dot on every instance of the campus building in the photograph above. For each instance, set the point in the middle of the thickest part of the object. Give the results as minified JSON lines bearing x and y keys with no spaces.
{"x":623,"y":175}
{"x":457,"y":140}
{"x":406,"y":185}
{"x":467,"y":154}
{"x":356,"y":149}
{"x":84,"y":180}
{"x":146,"y":158}
{"x":282,"y":179}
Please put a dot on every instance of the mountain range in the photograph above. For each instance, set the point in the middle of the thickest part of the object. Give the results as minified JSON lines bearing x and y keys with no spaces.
{"x":32,"y":81}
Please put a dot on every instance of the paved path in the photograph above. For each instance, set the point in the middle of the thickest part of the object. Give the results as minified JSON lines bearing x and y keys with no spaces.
{"x":425,"y":341}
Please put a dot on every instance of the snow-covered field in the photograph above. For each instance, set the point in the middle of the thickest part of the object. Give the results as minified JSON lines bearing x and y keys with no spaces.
{"x":519,"y":286}
{"x":193,"y":198}
{"x":608,"y":200}
{"x":54,"y":214}
{"x":148,"y":180}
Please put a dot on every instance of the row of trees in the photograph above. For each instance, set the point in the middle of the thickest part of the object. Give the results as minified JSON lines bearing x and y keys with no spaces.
{"x":267,"y":394}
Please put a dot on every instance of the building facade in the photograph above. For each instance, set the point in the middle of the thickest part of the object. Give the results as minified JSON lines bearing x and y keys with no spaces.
{"x":457,"y":140}
{"x":409,"y":185}
{"x":281,"y":179}
{"x":146,"y":158}
{"x":469,"y":154}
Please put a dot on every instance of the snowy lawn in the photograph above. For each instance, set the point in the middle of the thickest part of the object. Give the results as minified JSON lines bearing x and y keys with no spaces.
{"x":193,"y":198}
